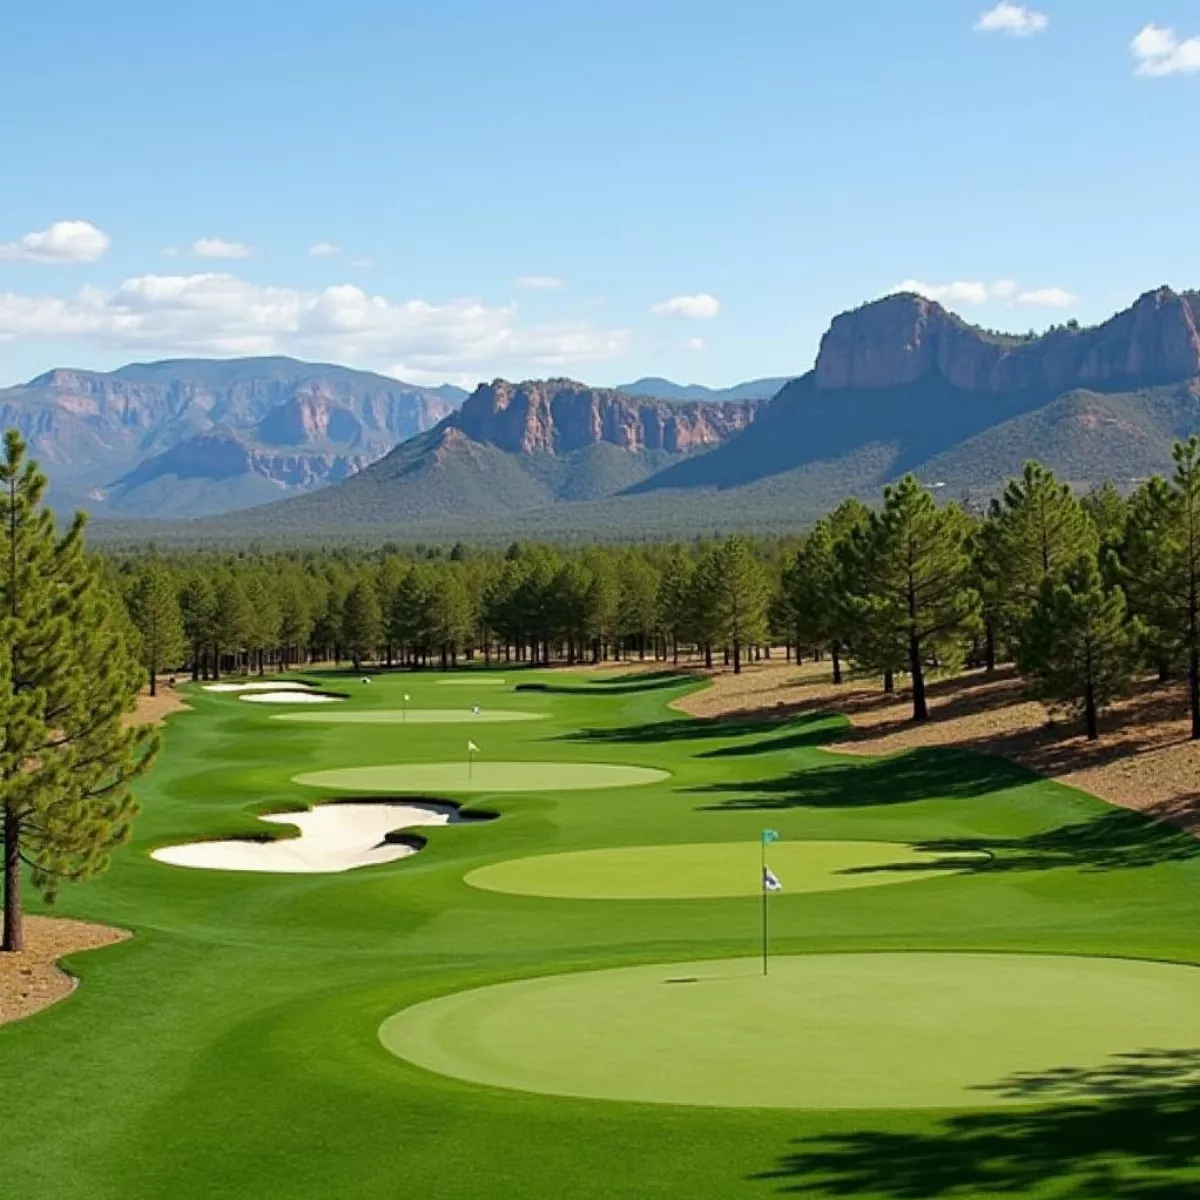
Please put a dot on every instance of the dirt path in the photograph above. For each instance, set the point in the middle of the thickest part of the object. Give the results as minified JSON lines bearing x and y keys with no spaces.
{"x":32,"y":980}
{"x":1145,"y":759}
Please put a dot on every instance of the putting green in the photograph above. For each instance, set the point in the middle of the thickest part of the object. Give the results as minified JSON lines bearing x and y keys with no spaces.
{"x":437,"y":777}
{"x":414,"y":716}
{"x":689,"y":872}
{"x":822,"y":1031}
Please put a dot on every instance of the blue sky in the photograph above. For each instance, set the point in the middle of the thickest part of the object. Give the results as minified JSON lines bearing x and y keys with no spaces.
{"x":600,"y":189}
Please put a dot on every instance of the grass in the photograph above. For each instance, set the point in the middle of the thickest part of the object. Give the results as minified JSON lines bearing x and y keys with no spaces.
{"x":820,"y":1031}
{"x":232,"y":1047}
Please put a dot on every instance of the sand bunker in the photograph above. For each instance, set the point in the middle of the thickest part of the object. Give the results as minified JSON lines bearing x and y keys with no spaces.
{"x":414,"y":716}
{"x":258,"y":685}
{"x":332,"y":838}
{"x":289,"y":698}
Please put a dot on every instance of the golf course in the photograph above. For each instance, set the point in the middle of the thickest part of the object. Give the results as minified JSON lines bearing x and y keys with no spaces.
{"x":516,"y":951}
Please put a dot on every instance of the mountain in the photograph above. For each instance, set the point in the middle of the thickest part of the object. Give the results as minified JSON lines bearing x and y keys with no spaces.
{"x":664,"y":389}
{"x":192,"y":436}
{"x":900,"y":384}
{"x":517,"y":446}
{"x":904,"y":385}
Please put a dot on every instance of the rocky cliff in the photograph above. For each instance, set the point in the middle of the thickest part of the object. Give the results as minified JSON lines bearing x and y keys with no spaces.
{"x":297,"y":425}
{"x":905,"y":339}
{"x":560,"y":416}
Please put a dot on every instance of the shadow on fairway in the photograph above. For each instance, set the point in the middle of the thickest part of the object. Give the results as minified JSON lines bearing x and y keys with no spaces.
{"x":1112,"y":841}
{"x":1138,"y":1073}
{"x":601,"y":687}
{"x":1142,"y":1143}
{"x":918,"y":775}
{"x":792,"y":734}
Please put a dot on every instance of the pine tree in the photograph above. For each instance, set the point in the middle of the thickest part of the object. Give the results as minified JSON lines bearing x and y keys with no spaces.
{"x":198,"y":607}
{"x":1040,"y":530}
{"x":67,"y":677}
{"x":908,"y":580}
{"x":671,"y":601}
{"x":1161,"y":560}
{"x":154,"y":609}
{"x":362,"y":621}
{"x":1079,"y":643}
{"x":741,"y":596}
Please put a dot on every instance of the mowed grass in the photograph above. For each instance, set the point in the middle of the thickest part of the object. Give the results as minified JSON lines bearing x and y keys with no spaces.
{"x":232,"y":1047}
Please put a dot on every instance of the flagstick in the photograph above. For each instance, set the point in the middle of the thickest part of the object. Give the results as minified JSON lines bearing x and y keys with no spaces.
{"x":762,"y":881}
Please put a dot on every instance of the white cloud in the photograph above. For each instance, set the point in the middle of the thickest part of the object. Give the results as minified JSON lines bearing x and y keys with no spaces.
{"x":218,"y":313}
{"x":1049,"y":297}
{"x":974,"y":293}
{"x":699,"y":307}
{"x":1159,"y":51}
{"x":961,"y":291}
{"x":1016,"y":20}
{"x":362,"y":264}
{"x":324,"y":250}
{"x":62,"y":242}
{"x":539,"y":283}
{"x":695,"y":344}
{"x":219,"y":248}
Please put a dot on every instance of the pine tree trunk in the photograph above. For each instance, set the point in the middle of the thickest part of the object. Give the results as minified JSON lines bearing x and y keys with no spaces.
{"x":917,"y":670}
{"x":889,"y":683}
{"x":737,"y":656}
{"x":153,"y":681}
{"x":990,"y":647}
{"x":1089,"y":712}
{"x":14,"y":924}
{"x":835,"y":653}
{"x":708,"y":656}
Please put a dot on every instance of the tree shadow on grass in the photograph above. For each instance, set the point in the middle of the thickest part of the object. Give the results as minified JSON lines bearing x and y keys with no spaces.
{"x":654,"y":682}
{"x":792,"y":734}
{"x":918,"y":775}
{"x":1109,"y":842}
{"x":1139,"y":1140}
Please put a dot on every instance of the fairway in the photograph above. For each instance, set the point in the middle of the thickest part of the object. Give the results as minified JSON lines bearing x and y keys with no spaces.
{"x":414,"y":716}
{"x":472,"y":681}
{"x":688,"y":872}
{"x":408,"y":778}
{"x":822,"y":1031}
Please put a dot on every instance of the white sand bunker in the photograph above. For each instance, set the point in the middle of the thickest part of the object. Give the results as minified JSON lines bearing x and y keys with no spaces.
{"x":289,"y":698}
{"x":333,"y":837}
{"x":257,"y":685}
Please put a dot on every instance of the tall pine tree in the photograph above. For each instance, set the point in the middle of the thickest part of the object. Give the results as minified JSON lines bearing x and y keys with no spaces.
{"x":69,"y":675}
{"x":154,"y":609}
{"x":908,"y":576}
{"x":1078,"y":643}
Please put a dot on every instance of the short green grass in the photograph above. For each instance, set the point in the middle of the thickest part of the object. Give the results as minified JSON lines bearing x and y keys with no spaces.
{"x":232,"y":1047}
{"x":910,"y":1030}
{"x":715,"y":869}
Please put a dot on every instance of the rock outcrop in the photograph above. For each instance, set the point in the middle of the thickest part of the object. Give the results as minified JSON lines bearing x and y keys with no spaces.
{"x":299,"y":425}
{"x":559,"y":416}
{"x":904,"y":339}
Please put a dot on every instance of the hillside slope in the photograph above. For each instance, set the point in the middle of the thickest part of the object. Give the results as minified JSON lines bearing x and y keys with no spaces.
{"x":236,"y":431}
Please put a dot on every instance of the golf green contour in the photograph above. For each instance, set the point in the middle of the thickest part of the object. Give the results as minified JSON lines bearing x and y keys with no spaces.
{"x":715,"y":870}
{"x":416,"y":716}
{"x":402,"y":778}
{"x":981,"y":983}
{"x":820,"y":1031}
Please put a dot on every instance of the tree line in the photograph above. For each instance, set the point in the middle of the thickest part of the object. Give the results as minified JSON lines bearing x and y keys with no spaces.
{"x":1080,"y":592}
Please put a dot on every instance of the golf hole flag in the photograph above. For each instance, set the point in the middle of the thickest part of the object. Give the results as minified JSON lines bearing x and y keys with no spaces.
{"x":472,"y":748}
{"x":770,"y":880}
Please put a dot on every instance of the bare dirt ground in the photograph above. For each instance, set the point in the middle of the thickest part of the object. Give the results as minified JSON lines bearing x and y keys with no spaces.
{"x":32,"y":980}
{"x":152,"y":710}
{"x":1145,"y":759}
